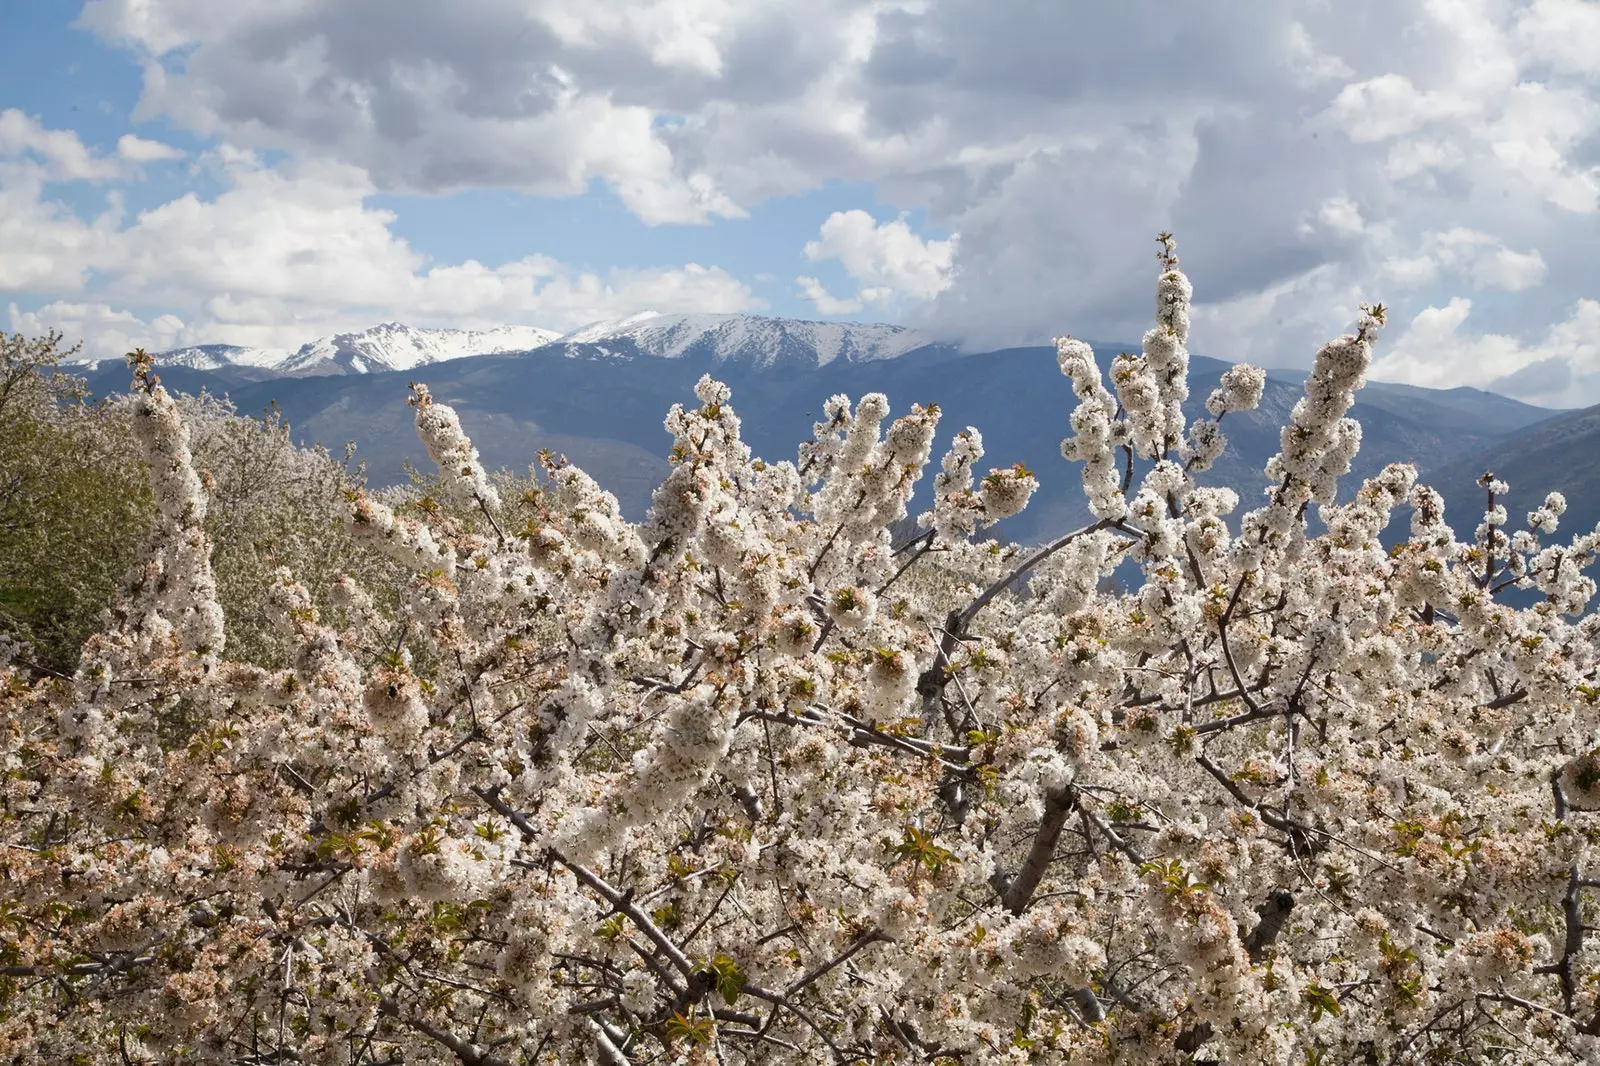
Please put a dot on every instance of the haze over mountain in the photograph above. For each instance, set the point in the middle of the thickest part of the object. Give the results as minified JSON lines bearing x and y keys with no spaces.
{"x":598,"y":395}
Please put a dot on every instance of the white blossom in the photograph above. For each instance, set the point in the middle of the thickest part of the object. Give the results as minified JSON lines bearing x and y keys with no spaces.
{"x":753,"y":782}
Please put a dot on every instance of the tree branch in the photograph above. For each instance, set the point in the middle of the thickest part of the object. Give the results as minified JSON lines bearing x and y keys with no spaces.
{"x":1016,"y":894}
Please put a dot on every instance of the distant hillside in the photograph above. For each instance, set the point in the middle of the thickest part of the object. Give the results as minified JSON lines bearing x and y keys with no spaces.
{"x":1561,"y":454}
{"x":1461,"y":408}
{"x":604,"y":410}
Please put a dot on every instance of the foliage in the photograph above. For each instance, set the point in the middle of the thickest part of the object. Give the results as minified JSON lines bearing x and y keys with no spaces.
{"x":275,"y":505}
{"x":75,"y":508}
{"x":744,"y":783}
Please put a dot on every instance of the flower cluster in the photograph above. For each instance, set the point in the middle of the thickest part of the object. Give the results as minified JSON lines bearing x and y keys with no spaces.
{"x":753,"y":781}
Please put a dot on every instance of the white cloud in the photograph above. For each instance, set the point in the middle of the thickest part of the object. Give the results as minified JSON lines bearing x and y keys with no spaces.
{"x":1389,"y":106}
{"x":1563,"y":33}
{"x":888,"y":262}
{"x":103,"y":330}
{"x":485,"y":93}
{"x":1562,"y":369}
{"x":64,"y":156}
{"x":1338,"y":216}
{"x":1309,"y":307}
{"x":827,"y":304}
{"x":1535,"y":138}
{"x":60,"y":155}
{"x":1487,"y":262}
{"x":1410,"y":271}
{"x":1466,"y":253}
{"x":1056,"y":139}
{"x":160,"y":26}
{"x":1311,"y":66}
{"x":541,"y":291}
{"x":138,"y":150}
{"x":45,"y":247}
{"x":284,"y":254}
{"x":1420,"y":157}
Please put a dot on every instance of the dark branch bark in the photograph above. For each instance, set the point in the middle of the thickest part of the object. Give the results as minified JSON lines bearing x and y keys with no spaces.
{"x":469,"y":1053}
{"x":1017,"y":893}
{"x":1274,"y":914}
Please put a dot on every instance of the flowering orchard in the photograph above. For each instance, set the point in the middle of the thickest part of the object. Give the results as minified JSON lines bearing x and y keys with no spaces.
{"x":748,"y":782}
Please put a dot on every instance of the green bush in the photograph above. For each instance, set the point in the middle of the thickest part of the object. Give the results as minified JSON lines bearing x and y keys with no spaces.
{"x":74,"y":502}
{"x":75,"y":508}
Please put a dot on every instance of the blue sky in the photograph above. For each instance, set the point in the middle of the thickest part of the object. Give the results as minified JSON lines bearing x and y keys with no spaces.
{"x":183,"y":171}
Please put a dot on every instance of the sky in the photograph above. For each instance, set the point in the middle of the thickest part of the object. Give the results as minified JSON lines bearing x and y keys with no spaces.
{"x":993,"y":171}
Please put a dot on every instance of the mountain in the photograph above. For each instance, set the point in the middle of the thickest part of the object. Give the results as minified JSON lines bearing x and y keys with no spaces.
{"x":217,"y":356}
{"x":753,"y":339}
{"x":1561,"y":454}
{"x":1463,"y":408}
{"x":711,"y":338}
{"x":601,"y":403}
{"x":392,"y":346}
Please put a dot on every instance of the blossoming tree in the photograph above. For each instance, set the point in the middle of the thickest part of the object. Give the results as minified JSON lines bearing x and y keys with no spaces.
{"x":748,"y":782}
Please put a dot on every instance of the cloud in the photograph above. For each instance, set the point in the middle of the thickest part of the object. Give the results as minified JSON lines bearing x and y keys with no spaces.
{"x":485,"y":93}
{"x":286,"y":253}
{"x":1562,"y":33}
{"x":1311,"y":65}
{"x":1296,"y":189}
{"x":1561,"y":369}
{"x":1488,"y":263}
{"x":1476,"y":257}
{"x":104,"y":331}
{"x":888,"y":262}
{"x":1337,"y":217}
{"x":1307,"y":154}
{"x":62,"y":155}
{"x":1389,"y":106}
{"x":44,"y":246}
{"x":826,"y":304}
{"x":138,"y":150}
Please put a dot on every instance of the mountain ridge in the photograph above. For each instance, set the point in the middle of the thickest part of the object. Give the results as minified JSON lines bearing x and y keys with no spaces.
{"x":1560,"y":454}
{"x":761,"y":340}
{"x":395,"y":346}
{"x":721,"y":338}
{"x":605,"y":413}
{"x":718,"y":339}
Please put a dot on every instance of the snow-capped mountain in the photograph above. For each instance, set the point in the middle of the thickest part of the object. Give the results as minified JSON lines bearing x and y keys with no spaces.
{"x":753,"y":340}
{"x":217,"y":356}
{"x":392,"y":346}
{"x":756,"y":339}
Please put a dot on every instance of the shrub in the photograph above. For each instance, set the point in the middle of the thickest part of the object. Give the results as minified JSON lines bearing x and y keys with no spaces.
{"x":75,"y":509}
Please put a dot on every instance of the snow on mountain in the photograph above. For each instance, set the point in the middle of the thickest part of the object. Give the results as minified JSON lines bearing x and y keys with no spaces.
{"x":753,"y":339}
{"x":760,"y":340}
{"x":393,"y":346}
{"x":217,"y":356}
